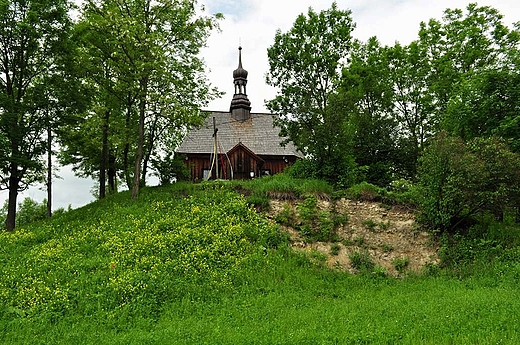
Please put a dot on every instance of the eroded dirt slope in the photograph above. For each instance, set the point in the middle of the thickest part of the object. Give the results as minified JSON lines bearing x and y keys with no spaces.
{"x":389,"y":236}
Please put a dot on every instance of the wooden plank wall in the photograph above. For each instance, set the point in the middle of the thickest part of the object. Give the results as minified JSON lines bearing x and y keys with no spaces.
{"x":242,"y":163}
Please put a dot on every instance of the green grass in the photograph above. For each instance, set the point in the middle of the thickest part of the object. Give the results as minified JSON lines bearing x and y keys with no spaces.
{"x":282,"y":186}
{"x":282,"y":299}
{"x":193,"y":264}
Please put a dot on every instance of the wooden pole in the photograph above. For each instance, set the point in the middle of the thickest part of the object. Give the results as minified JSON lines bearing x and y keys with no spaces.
{"x":215,"y":130}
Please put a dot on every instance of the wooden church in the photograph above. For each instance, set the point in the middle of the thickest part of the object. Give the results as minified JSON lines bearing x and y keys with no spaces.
{"x":237,"y":144}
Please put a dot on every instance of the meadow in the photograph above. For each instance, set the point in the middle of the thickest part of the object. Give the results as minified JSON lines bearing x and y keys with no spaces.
{"x":197,"y":264}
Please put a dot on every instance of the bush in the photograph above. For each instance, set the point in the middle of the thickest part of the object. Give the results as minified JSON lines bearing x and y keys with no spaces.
{"x":402,"y":192}
{"x":341,"y":170}
{"x":401,"y":264}
{"x":28,"y":211}
{"x":315,"y":224}
{"x":458,"y":180}
{"x":361,"y":261}
{"x":365,"y":191}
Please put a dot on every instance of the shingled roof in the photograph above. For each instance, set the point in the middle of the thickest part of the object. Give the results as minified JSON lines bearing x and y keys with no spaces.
{"x":257,"y":133}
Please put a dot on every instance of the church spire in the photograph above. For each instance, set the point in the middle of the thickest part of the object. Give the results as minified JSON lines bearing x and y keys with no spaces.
{"x":240,"y":105}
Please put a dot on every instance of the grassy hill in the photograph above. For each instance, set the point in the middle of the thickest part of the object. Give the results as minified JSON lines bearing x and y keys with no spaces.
{"x":196,"y":264}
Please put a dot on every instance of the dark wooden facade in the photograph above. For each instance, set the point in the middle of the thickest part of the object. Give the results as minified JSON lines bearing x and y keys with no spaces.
{"x":238,"y":163}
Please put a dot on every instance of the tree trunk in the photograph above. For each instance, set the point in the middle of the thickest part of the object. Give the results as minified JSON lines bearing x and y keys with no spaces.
{"x":13,"y":195}
{"x":153,"y":133}
{"x":146,"y":159}
{"x":111,"y":174}
{"x":49,"y":171}
{"x":104,"y":157}
{"x":126,"y":150}
{"x":140,"y":141}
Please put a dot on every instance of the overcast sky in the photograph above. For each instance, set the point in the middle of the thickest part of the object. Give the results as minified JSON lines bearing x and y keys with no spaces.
{"x":253,"y":24}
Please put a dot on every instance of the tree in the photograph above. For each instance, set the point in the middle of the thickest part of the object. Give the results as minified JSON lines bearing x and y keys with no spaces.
{"x":460,"y":180}
{"x":464,"y":43}
{"x":484,"y":104}
{"x":305,"y":64}
{"x":413,"y":101}
{"x":367,"y":92}
{"x":151,"y":84}
{"x":34,"y":37}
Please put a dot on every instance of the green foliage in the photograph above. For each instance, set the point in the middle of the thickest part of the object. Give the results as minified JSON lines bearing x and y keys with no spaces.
{"x":315,"y":224}
{"x":30,"y":211}
{"x":460,"y":180}
{"x":402,"y":192}
{"x":484,"y":248}
{"x":142,"y":62}
{"x":35,"y":37}
{"x":340,"y":170}
{"x":317,"y":125}
{"x":287,"y":216}
{"x":370,"y":225}
{"x":366,"y":93}
{"x":170,"y":169}
{"x":460,"y":74}
{"x":462,"y":43}
{"x":335,"y":248}
{"x":361,"y":261}
{"x":375,"y":226}
{"x":401,"y":264}
{"x":365,"y":191}
{"x":285,"y":187}
{"x":114,"y":256}
{"x":359,"y":241}
{"x":302,"y":168}
{"x":260,"y":202}
{"x":386,"y":248}
{"x":485,"y":104}
{"x":183,"y":254}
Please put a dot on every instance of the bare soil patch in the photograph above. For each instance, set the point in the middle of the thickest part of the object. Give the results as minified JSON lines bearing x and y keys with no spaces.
{"x":388,"y":235}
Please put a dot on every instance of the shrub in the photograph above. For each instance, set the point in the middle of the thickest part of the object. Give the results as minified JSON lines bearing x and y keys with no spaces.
{"x":335,"y":248}
{"x":28,"y":211}
{"x":365,"y":191}
{"x":459,"y":180}
{"x":316,"y":225}
{"x":361,"y":261}
{"x":401,"y":264}
{"x":402,"y":192}
{"x":339,"y":169}
{"x":287,"y":216}
{"x":170,"y":168}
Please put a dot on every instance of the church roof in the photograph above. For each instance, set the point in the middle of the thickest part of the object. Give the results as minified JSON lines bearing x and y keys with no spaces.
{"x":256,"y":133}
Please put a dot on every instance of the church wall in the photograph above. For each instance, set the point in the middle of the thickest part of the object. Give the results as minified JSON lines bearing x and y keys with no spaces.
{"x":243,"y":164}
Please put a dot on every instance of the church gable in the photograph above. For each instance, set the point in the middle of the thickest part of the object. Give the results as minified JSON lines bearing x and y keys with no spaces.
{"x":246,"y":144}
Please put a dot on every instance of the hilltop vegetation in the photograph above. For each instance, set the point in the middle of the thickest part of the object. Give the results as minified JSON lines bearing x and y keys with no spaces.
{"x":197,"y":264}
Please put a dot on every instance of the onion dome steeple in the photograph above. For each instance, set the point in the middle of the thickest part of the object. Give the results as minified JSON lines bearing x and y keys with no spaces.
{"x":240,"y":72}
{"x":240,"y":105}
